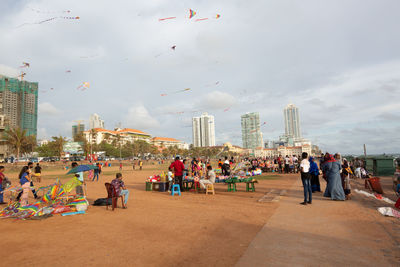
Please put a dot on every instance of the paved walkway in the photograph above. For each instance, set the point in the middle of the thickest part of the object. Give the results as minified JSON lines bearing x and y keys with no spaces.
{"x":326,"y":233}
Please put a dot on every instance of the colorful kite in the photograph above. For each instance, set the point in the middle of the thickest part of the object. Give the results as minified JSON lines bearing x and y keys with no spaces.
{"x":25,"y":65}
{"x":201,"y":19}
{"x":217,"y":16}
{"x":227,"y":109}
{"x":166,"y":18}
{"x":192,"y":13}
{"x":83,"y":86}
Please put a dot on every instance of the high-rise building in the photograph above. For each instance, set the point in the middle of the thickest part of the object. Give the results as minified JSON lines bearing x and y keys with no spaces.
{"x":251,"y":132}
{"x":19,"y":103}
{"x":77,"y":129}
{"x":203,"y":130}
{"x":292,"y":121}
{"x":95,"y":122}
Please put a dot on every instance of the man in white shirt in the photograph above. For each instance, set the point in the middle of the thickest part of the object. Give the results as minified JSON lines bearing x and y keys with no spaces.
{"x":210,"y":178}
{"x":305,"y":178}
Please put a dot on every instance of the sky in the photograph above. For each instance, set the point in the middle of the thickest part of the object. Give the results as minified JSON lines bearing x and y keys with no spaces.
{"x":337,"y":61}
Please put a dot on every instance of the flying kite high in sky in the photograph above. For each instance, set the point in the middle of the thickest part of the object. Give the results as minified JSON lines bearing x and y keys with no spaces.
{"x":83,"y":86}
{"x":201,"y":19}
{"x":217,"y":16}
{"x":173,"y":47}
{"x":25,"y":65}
{"x":166,"y":18}
{"x":192,"y":13}
{"x":47,"y":20}
{"x":176,"y":92}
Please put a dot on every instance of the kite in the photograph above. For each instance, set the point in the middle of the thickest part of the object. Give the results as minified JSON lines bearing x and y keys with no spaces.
{"x":22,"y":75}
{"x":68,"y":71}
{"x":264,"y":123}
{"x":166,"y":18}
{"x":48,"y":12}
{"x":179,"y":91}
{"x":83,"y":86}
{"x":192,"y":13}
{"x":227,"y":109}
{"x":46,"y":20}
{"x":51,"y":88}
{"x":201,"y":19}
{"x":25,"y":65}
{"x":173,"y":47}
{"x":217,"y":16}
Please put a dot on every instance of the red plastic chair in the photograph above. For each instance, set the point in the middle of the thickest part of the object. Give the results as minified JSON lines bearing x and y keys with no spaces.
{"x":111,"y":193}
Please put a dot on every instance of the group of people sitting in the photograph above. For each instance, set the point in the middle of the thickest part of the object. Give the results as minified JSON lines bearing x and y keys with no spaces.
{"x":204,"y":175}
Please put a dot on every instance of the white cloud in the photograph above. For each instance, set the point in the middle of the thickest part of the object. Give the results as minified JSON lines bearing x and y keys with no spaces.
{"x":139,"y":118}
{"x":216,"y":100}
{"x":47,"y":108}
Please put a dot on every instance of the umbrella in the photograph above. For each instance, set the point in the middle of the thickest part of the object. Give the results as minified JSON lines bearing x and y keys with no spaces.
{"x":82,"y":168}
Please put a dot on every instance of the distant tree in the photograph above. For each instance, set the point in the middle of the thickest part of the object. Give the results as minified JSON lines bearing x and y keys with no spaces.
{"x":17,"y":140}
{"x":58,"y":144}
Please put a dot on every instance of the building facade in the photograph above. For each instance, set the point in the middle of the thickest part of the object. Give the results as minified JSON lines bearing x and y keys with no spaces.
{"x":19,"y":103}
{"x":292,"y":121}
{"x":95,"y":121}
{"x":77,"y":129}
{"x":164,"y":142}
{"x":124,"y":136}
{"x":284,"y":151}
{"x":203,"y":130}
{"x":251,"y":132}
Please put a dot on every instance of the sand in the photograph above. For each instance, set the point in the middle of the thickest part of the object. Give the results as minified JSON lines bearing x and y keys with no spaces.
{"x":158,"y":229}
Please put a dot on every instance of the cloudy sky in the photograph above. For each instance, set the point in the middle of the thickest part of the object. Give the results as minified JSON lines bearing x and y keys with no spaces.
{"x":337,"y":61}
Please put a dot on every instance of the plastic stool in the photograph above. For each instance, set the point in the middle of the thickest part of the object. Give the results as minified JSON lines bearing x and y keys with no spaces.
{"x":250,"y":187}
{"x":175,"y":190}
{"x":149,"y":186}
{"x":231,"y":187}
{"x":210,"y":189}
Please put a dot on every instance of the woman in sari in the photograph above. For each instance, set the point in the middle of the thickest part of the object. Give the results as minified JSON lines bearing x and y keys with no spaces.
{"x":334,"y":188}
{"x":314,"y":172}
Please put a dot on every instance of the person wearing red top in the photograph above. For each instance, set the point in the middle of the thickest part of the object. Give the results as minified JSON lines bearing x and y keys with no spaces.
{"x":178,"y":167}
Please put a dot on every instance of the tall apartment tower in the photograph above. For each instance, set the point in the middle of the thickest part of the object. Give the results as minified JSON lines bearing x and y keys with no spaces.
{"x":78,"y":129}
{"x":203,"y":130}
{"x":19,"y":103}
{"x":95,"y":122}
{"x":251,"y":132}
{"x":292,"y":121}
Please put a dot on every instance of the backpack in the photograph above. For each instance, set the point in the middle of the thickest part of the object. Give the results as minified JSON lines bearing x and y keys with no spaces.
{"x":102,"y":202}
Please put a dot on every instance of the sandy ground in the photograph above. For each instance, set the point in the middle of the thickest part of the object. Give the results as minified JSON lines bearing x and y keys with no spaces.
{"x":327,"y":233}
{"x":156,"y":229}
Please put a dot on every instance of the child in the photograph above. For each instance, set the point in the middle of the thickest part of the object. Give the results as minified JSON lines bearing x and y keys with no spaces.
{"x":25,"y":182}
{"x":170,"y":180}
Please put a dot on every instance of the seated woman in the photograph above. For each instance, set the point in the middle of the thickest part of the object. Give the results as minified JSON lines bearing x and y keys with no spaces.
{"x":210,"y":178}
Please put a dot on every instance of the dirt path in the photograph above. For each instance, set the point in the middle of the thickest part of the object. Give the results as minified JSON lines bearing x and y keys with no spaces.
{"x":156,"y":229}
{"x":326,"y":233}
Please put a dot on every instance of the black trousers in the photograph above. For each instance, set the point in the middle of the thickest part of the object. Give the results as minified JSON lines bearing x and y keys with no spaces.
{"x":178,"y":180}
{"x":33,"y":191}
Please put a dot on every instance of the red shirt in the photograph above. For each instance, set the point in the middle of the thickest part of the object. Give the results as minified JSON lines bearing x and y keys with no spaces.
{"x":1,"y":177}
{"x":178,"y":167}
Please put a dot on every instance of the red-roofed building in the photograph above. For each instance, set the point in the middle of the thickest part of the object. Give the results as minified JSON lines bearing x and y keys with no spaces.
{"x":98,"y":135}
{"x":163,"y":142}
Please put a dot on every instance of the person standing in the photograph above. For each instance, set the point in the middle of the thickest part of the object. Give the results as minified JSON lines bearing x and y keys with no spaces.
{"x":134,"y":165}
{"x":287,"y":161}
{"x":305,"y":178}
{"x":79,"y":176}
{"x":314,"y":173}
{"x":178,"y":167}
{"x":25,"y":181}
{"x":331,"y":169}
{"x":120,"y":166}
{"x":140,"y":165}
{"x":25,"y":168}
{"x":38,"y":172}
{"x":96,"y":173}
{"x":185,"y":170}
{"x":2,"y":178}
